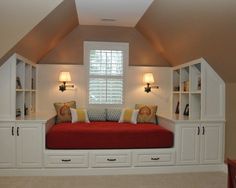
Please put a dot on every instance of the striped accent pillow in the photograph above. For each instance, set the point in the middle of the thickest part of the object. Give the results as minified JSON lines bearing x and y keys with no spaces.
{"x":129,"y":116}
{"x":79,"y":115}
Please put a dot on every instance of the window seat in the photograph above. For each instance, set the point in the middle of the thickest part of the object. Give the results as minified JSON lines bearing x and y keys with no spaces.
{"x":108,"y":135}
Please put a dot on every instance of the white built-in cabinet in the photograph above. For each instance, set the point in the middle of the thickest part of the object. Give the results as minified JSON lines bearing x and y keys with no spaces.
{"x":198,"y":113}
{"x":21,"y":137}
{"x":199,"y":143}
{"x":21,"y":144}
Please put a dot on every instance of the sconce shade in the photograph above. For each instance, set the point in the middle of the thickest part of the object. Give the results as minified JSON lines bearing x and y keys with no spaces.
{"x":148,"y":78}
{"x":64,"y":77}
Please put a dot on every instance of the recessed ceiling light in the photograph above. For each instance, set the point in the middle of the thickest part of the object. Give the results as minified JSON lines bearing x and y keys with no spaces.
{"x":108,"y":20}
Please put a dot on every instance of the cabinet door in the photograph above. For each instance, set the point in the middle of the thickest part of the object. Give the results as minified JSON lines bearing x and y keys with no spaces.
{"x":29,"y":145}
{"x":211,"y":143}
{"x":188,"y":143}
{"x":7,"y":145}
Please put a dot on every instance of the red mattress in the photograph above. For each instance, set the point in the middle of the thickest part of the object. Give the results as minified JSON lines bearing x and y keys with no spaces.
{"x":108,"y":135}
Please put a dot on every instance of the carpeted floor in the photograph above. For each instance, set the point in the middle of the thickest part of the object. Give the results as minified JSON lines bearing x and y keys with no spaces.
{"x":188,"y":180}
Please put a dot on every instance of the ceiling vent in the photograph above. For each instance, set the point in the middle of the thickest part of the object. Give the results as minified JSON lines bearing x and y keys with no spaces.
{"x":108,"y":20}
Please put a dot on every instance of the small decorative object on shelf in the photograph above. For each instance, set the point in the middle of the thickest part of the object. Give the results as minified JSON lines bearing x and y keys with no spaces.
{"x":18,"y":112}
{"x":186,"y":86}
{"x":186,"y":110}
{"x":32,"y":83}
{"x":18,"y":83}
{"x":176,"y":88}
{"x":199,"y":83}
{"x":25,"y":110}
{"x":177,"y":108}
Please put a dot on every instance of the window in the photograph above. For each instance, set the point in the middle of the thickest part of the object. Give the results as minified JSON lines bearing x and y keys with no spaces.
{"x":105,"y":72}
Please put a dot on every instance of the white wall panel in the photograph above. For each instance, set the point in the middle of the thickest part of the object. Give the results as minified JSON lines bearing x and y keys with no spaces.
{"x":48,"y":83}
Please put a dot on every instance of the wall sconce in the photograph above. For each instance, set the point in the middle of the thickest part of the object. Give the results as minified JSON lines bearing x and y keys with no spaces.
{"x":64,"y":77}
{"x":149,"y":79}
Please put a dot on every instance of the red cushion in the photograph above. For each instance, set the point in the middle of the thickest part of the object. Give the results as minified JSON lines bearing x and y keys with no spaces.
{"x":108,"y":135}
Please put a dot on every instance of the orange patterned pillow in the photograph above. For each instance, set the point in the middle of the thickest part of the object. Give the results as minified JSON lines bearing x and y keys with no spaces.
{"x":63,"y":111}
{"x":147,"y":113}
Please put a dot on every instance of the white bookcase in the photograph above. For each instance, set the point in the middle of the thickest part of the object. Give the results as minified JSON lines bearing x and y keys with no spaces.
{"x":192,"y":85}
{"x":18,"y":88}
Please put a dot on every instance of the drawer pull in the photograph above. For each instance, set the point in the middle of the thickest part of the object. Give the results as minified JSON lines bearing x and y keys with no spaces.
{"x":66,"y":160}
{"x":111,"y":159}
{"x":155,"y":158}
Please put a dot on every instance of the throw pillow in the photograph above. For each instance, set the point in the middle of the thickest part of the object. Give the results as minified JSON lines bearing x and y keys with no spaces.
{"x":97,"y":114}
{"x":128,"y":116}
{"x":147,"y":113}
{"x":113,"y":114}
{"x":63,"y":111}
{"x":79,"y":115}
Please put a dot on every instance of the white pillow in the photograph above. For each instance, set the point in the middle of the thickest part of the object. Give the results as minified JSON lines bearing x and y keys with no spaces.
{"x":129,"y":116}
{"x":79,"y":115}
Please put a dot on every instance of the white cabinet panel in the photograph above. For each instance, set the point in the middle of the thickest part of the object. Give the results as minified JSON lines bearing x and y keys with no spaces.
{"x":29,"y":145}
{"x":7,"y":145}
{"x":188,"y":144}
{"x":211,"y":143}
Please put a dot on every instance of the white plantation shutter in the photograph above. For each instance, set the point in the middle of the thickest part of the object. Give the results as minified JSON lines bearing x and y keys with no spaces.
{"x":106,"y":77}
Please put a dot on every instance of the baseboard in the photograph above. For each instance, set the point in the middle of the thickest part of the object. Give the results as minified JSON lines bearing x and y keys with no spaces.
{"x":113,"y":171}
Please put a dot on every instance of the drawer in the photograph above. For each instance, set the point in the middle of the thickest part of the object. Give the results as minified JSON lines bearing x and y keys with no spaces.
{"x":111,"y":159}
{"x":55,"y":160}
{"x":153,"y":158}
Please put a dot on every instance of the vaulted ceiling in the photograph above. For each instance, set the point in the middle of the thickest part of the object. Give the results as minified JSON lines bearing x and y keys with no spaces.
{"x":179,"y":31}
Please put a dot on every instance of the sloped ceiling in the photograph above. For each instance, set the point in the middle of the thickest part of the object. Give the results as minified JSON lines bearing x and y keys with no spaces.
{"x":17,"y":18}
{"x":179,"y":30}
{"x":47,"y":34}
{"x":70,"y":49}
{"x":185,"y":30}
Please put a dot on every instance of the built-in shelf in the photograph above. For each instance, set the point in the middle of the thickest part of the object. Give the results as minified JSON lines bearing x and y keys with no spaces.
{"x":186,"y":92}
{"x":25,"y":87}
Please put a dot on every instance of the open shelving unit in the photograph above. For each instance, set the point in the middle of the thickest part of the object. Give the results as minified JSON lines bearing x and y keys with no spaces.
{"x":186,"y":92}
{"x":25,"y":87}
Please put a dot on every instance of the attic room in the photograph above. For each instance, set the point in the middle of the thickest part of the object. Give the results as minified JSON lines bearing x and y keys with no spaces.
{"x":186,"y":47}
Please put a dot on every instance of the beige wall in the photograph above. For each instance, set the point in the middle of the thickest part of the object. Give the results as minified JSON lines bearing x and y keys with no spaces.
{"x":70,"y":49}
{"x":230,"y":142}
{"x":17,"y":18}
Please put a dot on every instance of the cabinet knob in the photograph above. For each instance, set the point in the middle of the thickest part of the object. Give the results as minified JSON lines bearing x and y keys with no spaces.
{"x":198,"y":130}
{"x":203,"y":130}
{"x":17,"y":131}
{"x":12,"y":131}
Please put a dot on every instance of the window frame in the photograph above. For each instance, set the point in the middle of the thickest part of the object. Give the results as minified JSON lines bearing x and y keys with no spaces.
{"x":93,"y":45}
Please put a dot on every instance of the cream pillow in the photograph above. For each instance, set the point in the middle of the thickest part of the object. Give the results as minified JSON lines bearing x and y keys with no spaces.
{"x":128,"y":116}
{"x":79,"y":115}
